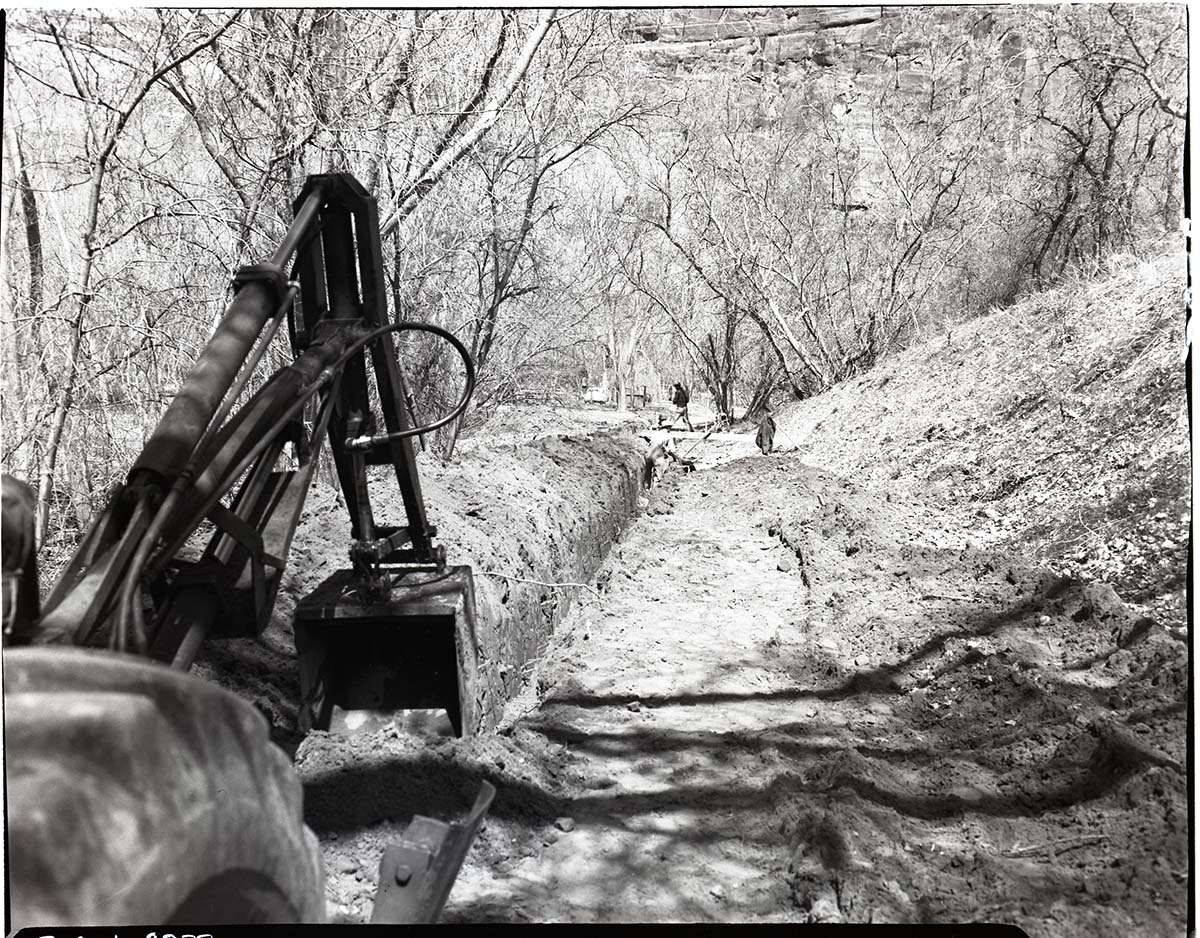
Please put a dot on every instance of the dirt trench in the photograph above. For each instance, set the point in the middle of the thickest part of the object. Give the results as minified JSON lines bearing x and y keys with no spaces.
{"x":786,"y":705}
{"x":533,"y":519}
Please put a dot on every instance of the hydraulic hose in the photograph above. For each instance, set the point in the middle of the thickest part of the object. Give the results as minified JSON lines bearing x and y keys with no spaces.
{"x":367,"y":442}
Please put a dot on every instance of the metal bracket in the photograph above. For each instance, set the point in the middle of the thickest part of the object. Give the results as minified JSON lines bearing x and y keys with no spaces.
{"x":388,"y":549}
{"x":271,"y":274}
{"x":417,"y":873}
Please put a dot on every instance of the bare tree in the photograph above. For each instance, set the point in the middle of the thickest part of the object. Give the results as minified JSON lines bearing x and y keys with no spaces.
{"x":108,"y":118}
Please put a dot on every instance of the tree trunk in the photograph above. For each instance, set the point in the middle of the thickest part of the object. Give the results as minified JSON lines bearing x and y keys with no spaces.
{"x":780,"y":355}
{"x":33,"y":231}
{"x":10,"y":364}
{"x":66,"y":394}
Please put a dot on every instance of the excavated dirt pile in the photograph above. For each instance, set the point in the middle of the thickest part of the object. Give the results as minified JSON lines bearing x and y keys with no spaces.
{"x":914,"y":688}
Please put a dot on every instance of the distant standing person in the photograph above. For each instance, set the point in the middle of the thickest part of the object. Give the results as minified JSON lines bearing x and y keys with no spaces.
{"x":679,"y":397}
{"x":766,"y":434}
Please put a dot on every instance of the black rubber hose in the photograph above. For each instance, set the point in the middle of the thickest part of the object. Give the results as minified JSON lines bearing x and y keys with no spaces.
{"x":368,"y":442}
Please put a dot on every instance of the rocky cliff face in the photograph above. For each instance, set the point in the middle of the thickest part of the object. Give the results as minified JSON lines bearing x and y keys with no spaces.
{"x":755,"y":42}
{"x":788,"y":43}
{"x":774,"y":64}
{"x":781,"y":62}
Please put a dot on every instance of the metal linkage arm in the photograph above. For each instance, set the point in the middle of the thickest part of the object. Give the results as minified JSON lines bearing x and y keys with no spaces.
{"x":341,"y":278}
{"x":87,"y":590}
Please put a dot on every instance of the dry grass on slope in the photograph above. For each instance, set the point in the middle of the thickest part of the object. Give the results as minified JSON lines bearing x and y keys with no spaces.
{"x":1056,"y":428}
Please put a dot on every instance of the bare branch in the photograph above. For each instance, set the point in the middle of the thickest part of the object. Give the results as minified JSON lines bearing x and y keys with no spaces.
{"x":490,"y":112}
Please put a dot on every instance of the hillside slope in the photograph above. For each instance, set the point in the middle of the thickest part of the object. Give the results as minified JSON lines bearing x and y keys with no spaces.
{"x":1056,"y":428}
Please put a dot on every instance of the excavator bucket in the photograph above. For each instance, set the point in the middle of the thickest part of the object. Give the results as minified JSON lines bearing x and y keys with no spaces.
{"x":413,"y":650}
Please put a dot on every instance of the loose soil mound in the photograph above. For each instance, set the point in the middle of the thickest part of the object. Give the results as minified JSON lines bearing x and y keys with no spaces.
{"x":867,"y":697}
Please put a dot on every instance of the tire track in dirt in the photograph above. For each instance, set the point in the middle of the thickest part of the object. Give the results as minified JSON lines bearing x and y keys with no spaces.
{"x":787,"y":705}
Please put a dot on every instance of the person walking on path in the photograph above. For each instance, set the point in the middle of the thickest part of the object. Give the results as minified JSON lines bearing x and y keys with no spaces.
{"x":679,"y":397}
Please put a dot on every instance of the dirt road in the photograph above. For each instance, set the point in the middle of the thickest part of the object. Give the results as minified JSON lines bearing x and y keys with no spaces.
{"x":787,"y":703}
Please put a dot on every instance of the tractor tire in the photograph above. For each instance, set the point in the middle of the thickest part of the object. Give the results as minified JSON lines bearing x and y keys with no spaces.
{"x":237,"y":898}
{"x":142,"y":795}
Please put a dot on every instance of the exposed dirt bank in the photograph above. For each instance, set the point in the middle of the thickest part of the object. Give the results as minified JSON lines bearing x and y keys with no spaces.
{"x":914,"y":696}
